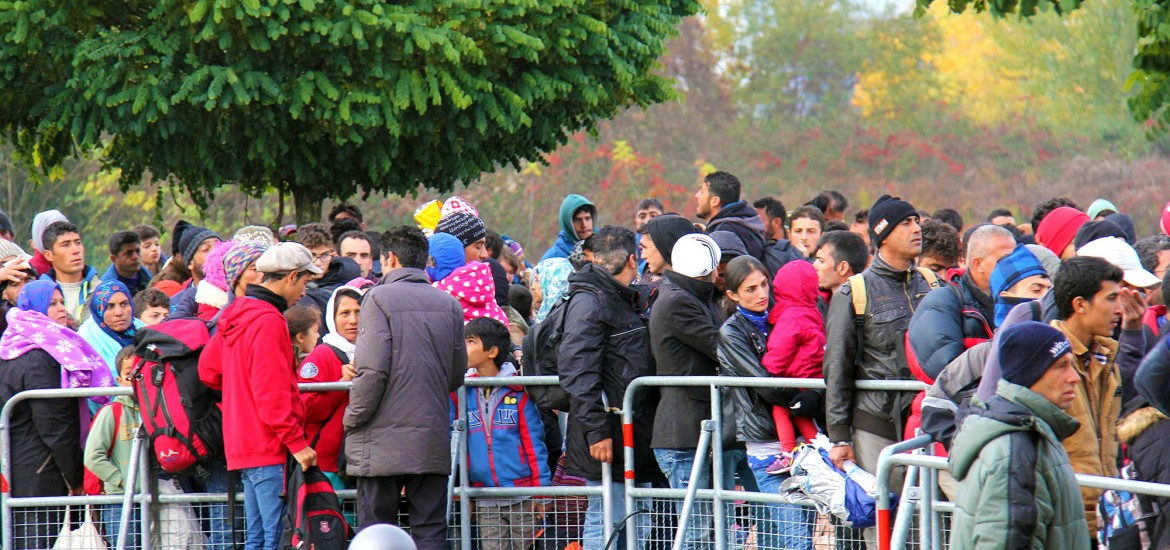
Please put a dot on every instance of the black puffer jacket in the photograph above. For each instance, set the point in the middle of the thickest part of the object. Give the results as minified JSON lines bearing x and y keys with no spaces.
{"x":45,"y":433}
{"x":684,"y":334}
{"x":1147,"y":432}
{"x":892,"y":297}
{"x":605,"y":347}
{"x":740,"y":218}
{"x":741,"y":347}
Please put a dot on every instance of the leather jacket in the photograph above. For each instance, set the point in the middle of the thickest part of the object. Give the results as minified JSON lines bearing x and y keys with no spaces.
{"x":891,"y":297}
{"x":740,"y":349}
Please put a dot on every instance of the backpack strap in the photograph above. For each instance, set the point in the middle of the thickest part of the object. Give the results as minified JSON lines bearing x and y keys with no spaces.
{"x":345,"y":360}
{"x":932,"y":279}
{"x":857,"y":286}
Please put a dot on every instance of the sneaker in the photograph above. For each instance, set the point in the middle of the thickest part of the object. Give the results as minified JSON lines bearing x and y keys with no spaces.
{"x":782,"y":465}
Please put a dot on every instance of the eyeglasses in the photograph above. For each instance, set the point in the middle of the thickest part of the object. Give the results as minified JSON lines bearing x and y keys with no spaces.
{"x":323,"y":257}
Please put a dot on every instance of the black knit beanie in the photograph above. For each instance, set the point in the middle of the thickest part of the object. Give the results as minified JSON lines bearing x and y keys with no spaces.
{"x":886,"y":214}
{"x":666,"y":230}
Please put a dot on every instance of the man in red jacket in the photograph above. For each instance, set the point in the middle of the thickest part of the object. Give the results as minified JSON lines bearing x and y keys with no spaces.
{"x":251,"y":360}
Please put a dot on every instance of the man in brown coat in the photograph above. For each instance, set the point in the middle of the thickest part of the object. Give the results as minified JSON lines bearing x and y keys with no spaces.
{"x":410,"y":356}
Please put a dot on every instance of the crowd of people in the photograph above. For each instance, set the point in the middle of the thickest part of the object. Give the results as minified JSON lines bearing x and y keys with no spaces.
{"x":1041,"y":342}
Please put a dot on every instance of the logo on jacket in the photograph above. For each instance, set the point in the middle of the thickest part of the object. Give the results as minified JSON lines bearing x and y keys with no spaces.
{"x":324,"y":525}
{"x":308,"y":370}
{"x":168,"y":454}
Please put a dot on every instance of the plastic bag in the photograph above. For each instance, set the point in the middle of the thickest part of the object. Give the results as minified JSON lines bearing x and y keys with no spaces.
{"x":856,"y":503}
{"x":178,"y":527}
{"x":85,"y":537}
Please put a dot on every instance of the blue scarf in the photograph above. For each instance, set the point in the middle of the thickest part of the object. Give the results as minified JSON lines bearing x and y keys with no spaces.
{"x":101,"y":300}
{"x":760,"y":320}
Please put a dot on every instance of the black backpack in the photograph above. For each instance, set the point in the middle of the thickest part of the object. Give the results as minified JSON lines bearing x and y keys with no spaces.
{"x":539,"y":353}
{"x":312,"y":512}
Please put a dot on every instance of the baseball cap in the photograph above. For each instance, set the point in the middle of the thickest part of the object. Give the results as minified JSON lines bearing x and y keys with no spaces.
{"x":695,"y":255}
{"x":287,"y":257}
{"x":1118,"y":252}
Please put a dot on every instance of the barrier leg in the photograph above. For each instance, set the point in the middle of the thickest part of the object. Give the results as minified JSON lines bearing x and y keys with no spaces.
{"x":464,"y":480}
{"x":906,"y":509}
{"x":631,"y":523}
{"x":128,"y":499}
{"x":692,"y":487}
{"x":144,"y":486}
{"x":456,"y":440}
{"x":883,"y":485}
{"x":717,"y":466}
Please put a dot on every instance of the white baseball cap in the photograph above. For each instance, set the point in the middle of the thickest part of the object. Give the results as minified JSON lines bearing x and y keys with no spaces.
{"x":695,"y":255}
{"x":1118,"y":252}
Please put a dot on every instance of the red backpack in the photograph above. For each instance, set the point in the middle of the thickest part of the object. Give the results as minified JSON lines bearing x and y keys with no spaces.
{"x":312,"y":512}
{"x":179,"y":414}
{"x":94,"y":484}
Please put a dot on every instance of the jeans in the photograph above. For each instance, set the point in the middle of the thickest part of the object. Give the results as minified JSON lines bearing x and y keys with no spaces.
{"x":264,"y":506}
{"x":786,"y":526}
{"x":221,"y":535}
{"x":112,"y":520}
{"x":594,"y":533}
{"x":676,"y":465}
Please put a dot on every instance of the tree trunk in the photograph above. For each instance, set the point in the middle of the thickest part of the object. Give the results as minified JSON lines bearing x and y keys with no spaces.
{"x":308,"y":203}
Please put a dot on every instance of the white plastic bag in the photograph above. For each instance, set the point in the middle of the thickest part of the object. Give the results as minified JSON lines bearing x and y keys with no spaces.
{"x":178,"y":527}
{"x":85,"y":537}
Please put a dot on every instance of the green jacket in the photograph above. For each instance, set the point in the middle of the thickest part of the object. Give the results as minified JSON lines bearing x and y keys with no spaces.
{"x":1017,"y":488}
{"x":110,"y":465}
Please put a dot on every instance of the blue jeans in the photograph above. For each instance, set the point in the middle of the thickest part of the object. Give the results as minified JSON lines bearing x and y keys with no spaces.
{"x":263,"y":506}
{"x":112,"y":518}
{"x":676,"y":465}
{"x":594,"y":532}
{"x":217,"y":481}
{"x":786,"y":526}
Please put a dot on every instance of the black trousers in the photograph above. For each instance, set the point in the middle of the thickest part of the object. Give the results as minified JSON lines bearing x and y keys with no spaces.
{"x":426,"y":504}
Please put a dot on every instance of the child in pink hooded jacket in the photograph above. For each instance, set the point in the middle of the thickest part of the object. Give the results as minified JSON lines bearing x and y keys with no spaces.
{"x":469,"y":282}
{"x":796,"y":348}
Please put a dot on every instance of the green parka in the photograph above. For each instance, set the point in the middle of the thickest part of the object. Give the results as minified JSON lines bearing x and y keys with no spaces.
{"x":1017,"y":488}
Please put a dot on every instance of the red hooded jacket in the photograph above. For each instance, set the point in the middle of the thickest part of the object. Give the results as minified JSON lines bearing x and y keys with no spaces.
{"x":324,"y":410}
{"x":250,"y":358}
{"x":796,"y":345}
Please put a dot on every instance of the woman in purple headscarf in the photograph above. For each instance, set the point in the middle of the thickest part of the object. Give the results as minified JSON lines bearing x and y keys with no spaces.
{"x":39,"y":351}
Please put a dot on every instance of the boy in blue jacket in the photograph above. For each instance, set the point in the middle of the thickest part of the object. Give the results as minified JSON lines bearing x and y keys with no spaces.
{"x":505,"y":441}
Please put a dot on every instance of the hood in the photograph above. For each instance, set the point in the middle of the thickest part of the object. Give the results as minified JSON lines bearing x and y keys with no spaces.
{"x":1014,"y":409}
{"x":238,"y":315}
{"x":473,"y":286}
{"x":331,"y":306}
{"x":1137,"y":422}
{"x":569,"y":206}
{"x":127,"y":401}
{"x":341,"y":270}
{"x":795,"y":285}
{"x":739,"y":212}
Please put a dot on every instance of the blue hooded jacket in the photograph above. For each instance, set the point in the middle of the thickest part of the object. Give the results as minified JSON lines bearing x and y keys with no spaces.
{"x":508,"y":449}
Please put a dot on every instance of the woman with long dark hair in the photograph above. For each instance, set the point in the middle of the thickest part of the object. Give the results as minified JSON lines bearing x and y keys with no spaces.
{"x":743,"y":340}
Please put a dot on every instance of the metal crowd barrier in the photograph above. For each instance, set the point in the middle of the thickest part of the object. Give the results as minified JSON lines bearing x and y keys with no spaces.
{"x":896,"y":536}
{"x":728,"y":514}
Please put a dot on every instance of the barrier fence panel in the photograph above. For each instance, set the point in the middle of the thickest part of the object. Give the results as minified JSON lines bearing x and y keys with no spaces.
{"x":739,"y":517}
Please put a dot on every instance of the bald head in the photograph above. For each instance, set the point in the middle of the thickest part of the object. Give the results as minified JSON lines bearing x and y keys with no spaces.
{"x":986,"y":245}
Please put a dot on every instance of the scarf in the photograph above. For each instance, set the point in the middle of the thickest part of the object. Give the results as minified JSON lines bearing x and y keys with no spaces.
{"x":81,"y":366}
{"x":1004,"y":305}
{"x":37,"y":295}
{"x":333,"y":338}
{"x":760,"y":320}
{"x":554,"y":282}
{"x":100,"y":302}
